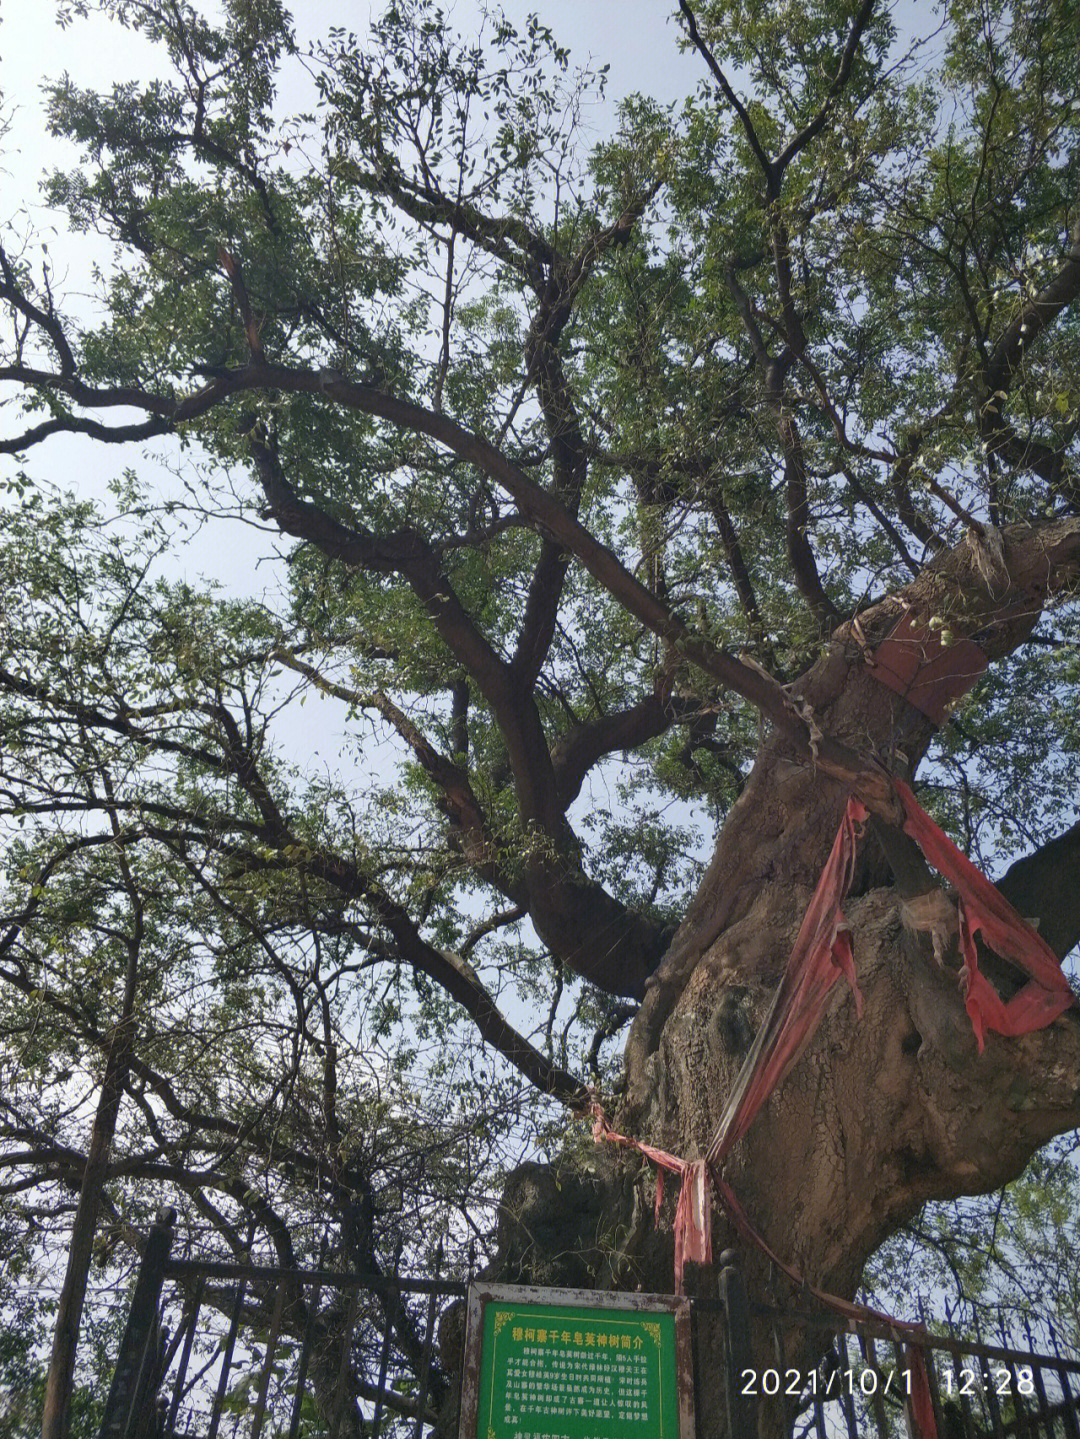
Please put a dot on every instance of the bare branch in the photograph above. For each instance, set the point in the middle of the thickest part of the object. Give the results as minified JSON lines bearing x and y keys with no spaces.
{"x":243,"y":303}
{"x":1042,"y":886}
{"x":460,"y":802}
{"x":46,"y":319}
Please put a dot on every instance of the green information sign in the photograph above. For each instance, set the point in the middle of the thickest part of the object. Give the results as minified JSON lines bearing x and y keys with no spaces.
{"x":570,"y":1364}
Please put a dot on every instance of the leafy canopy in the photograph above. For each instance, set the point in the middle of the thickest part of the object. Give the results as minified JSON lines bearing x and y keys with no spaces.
{"x":546,"y":429}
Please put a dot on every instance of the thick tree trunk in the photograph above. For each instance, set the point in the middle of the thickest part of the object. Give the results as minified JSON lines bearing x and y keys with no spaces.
{"x":879,"y":1115}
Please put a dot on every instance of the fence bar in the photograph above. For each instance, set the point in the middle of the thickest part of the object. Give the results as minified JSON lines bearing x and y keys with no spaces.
{"x":305,"y":1359}
{"x":901,"y":1366}
{"x":819,"y":1415}
{"x":425,"y":1360}
{"x":340,"y":1395}
{"x":876,"y":1402}
{"x":1046,"y":1419}
{"x":781,"y":1365}
{"x":1026,"y":1428}
{"x":738,"y":1351}
{"x":384,"y":1365}
{"x":1071,"y":1408}
{"x":989,"y":1388}
{"x":938,"y":1341}
{"x":124,"y":1406}
{"x":391,"y":1316}
{"x":1071,"y":1405}
{"x":268,"y":1365}
{"x":1022,"y":1424}
{"x":847,"y":1399}
{"x":963,"y":1408}
{"x":967,"y":1419}
{"x":226,"y":1361}
{"x":185,"y":1356}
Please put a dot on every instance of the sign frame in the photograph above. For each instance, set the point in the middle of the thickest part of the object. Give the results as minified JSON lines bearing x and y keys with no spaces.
{"x":481,"y":1294}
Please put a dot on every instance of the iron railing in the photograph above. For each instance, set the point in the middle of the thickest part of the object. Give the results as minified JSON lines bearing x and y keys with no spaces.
{"x":862,"y":1385}
{"x":240,"y":1351}
{"x":218,"y":1350}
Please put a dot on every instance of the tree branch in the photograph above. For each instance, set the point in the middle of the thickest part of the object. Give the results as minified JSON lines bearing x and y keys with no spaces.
{"x":567,"y":445}
{"x":1043,"y":886}
{"x":814,"y":127}
{"x":592,"y":931}
{"x":625,"y":729}
{"x":1033,"y":317}
{"x":505,"y":237}
{"x":799,"y":552}
{"x":461,"y":805}
{"x":767,"y":166}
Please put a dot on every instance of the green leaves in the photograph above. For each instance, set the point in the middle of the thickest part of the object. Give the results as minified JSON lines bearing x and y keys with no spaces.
{"x":768,"y":347}
{"x":999,"y":1259}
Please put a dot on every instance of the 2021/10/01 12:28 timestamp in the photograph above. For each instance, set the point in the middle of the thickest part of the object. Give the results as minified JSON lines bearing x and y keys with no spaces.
{"x":868,"y":1382}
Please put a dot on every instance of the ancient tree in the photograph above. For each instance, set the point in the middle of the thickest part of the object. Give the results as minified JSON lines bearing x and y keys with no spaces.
{"x":600,"y":473}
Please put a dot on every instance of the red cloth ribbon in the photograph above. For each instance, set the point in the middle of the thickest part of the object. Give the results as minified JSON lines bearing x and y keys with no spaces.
{"x":913,"y":662}
{"x":821,"y":955}
{"x":693,"y":1213}
{"x":693,"y":1241}
{"x":984,"y":908}
{"x":920,"y":1405}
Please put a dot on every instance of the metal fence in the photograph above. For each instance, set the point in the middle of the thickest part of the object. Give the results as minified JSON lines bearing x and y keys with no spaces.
{"x":239,"y":1351}
{"x":235,"y":1351}
{"x":863,"y":1383}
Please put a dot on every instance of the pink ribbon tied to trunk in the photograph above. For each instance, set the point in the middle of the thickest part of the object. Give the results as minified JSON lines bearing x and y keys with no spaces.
{"x":984,"y":909}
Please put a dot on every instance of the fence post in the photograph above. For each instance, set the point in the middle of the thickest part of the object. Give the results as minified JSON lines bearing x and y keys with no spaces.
{"x":737,"y":1353}
{"x":129,"y":1406}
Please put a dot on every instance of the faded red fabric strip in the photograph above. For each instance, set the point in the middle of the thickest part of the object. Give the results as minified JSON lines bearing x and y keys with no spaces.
{"x":913,"y":662}
{"x":822,"y":953}
{"x":918,"y":1401}
{"x":983,"y":908}
{"x":693,"y":1220}
{"x":920,"y":1405}
{"x":693,"y":1241}
{"x":693,"y":1213}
